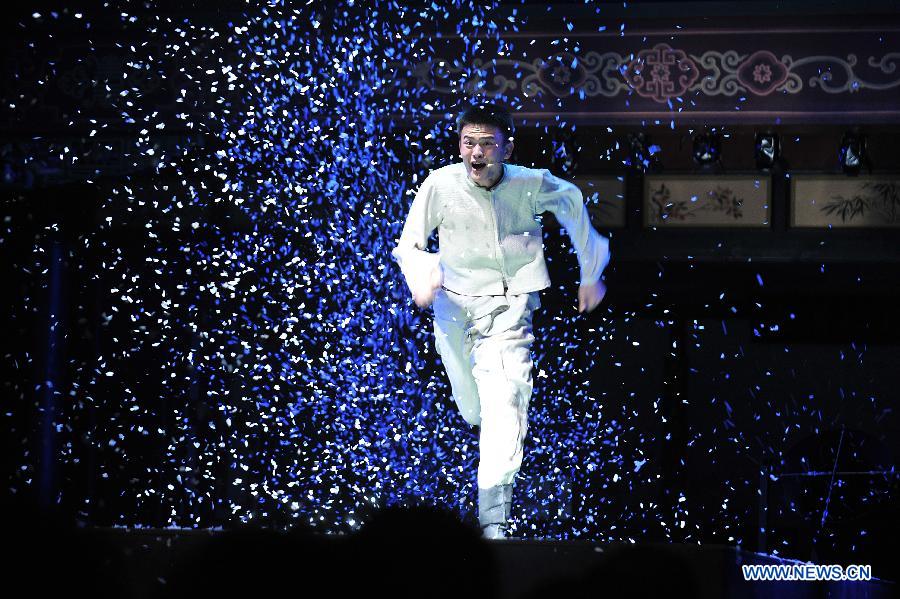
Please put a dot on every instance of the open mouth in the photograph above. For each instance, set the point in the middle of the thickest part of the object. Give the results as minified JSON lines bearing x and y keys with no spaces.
{"x":478,"y":166}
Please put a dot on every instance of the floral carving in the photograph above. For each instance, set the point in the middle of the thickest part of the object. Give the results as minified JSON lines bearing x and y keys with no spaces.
{"x":762,"y":73}
{"x":660,"y":73}
{"x":562,"y":74}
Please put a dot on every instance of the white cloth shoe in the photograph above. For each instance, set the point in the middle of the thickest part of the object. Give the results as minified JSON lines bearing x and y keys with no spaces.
{"x":494,"y":508}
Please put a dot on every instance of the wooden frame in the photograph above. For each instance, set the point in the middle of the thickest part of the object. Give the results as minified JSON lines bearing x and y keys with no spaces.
{"x":672,"y":201}
{"x":826,"y":201}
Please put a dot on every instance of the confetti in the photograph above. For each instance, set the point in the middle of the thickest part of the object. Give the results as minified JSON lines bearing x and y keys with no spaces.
{"x":255,"y":355}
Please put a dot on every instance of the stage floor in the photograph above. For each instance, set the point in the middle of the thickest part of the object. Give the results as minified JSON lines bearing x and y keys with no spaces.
{"x":148,"y":563}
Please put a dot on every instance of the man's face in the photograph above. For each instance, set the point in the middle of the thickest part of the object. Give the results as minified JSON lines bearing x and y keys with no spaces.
{"x":483,"y":150}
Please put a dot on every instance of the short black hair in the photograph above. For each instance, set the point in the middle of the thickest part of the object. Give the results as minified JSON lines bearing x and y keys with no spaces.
{"x":487,"y":114}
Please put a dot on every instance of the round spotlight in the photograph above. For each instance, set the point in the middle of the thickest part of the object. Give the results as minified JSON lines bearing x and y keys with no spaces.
{"x":565,"y":154}
{"x":853,"y":154}
{"x":767,"y":150}
{"x":707,"y":148}
{"x":642,"y":155}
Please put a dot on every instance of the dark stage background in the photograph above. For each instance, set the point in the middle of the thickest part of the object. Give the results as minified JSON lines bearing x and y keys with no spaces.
{"x":205,"y":327}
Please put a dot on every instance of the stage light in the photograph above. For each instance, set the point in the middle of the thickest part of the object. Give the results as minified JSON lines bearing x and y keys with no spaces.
{"x":642,"y":155}
{"x":767,"y":150}
{"x":7,"y":173}
{"x":853,"y":154}
{"x":15,"y":175}
{"x":565,"y":153}
{"x":707,"y":148}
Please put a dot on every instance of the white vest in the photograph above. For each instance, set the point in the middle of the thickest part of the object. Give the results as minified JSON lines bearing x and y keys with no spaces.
{"x":490,"y":242}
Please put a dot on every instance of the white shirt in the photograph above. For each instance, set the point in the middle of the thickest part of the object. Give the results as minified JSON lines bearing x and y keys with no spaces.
{"x":490,"y":242}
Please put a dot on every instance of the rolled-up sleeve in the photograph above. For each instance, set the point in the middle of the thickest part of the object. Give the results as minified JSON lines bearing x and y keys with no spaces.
{"x":566,"y":202}
{"x":415,"y":261}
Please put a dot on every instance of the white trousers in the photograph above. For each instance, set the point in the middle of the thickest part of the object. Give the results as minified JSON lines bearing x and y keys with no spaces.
{"x":485,"y":345}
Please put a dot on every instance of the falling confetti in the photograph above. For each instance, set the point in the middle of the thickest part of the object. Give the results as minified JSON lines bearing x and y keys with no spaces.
{"x":255,"y":355}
